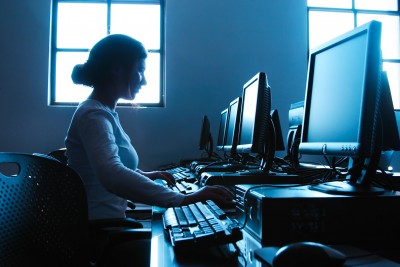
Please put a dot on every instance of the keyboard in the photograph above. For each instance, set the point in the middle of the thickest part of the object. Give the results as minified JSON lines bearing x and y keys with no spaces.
{"x":180,"y":186}
{"x":182,"y":174}
{"x":184,"y":187}
{"x":200,"y":224}
{"x":177,"y":169}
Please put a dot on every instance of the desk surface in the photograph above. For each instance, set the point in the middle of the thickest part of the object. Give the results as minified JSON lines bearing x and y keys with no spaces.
{"x":163,"y":254}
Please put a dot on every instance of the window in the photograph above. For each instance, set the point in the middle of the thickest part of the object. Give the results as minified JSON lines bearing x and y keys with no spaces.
{"x":330,"y":18}
{"x":78,"y":24}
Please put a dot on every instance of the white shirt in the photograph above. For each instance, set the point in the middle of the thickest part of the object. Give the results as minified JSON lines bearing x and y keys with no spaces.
{"x":100,"y":151}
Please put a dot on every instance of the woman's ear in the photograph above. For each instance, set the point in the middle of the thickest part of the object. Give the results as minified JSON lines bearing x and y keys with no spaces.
{"x":117,"y":73}
{"x":117,"y":70}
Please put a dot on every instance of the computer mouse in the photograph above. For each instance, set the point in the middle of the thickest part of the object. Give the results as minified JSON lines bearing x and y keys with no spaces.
{"x":310,"y":254}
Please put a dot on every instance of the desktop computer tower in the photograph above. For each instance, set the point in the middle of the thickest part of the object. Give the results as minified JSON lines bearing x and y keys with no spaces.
{"x":247,"y":246}
{"x":276,"y":216}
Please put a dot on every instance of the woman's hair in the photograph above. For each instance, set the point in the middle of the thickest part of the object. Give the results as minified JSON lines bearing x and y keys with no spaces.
{"x":111,"y":51}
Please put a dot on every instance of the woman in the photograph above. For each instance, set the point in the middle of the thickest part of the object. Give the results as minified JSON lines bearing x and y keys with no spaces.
{"x":99,"y":149}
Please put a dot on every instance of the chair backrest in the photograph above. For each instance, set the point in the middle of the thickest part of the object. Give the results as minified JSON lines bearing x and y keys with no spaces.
{"x":43,"y":213}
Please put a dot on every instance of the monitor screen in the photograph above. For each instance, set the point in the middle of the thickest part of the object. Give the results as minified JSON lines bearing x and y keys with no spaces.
{"x":342,"y":99}
{"x":232,"y":126}
{"x":255,"y":117}
{"x":222,"y":130}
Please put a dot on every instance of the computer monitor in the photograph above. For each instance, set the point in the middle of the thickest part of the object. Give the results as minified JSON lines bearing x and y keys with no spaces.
{"x":341,"y":108}
{"x":390,"y":130}
{"x":276,"y":123}
{"x":234,"y":111}
{"x":206,"y":140}
{"x":296,"y":113}
{"x":397,"y":115}
{"x":255,"y":122}
{"x":222,"y":130}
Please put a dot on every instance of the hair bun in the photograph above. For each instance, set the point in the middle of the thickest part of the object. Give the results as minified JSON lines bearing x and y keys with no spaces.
{"x":79,"y":75}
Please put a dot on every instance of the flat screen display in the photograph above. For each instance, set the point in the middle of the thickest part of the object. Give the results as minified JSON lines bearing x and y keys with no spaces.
{"x":341,"y":103}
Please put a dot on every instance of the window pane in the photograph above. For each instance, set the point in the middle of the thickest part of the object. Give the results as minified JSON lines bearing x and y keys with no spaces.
{"x":324,"y":26}
{"x":67,"y":91}
{"x":149,"y":93}
{"x":393,"y":72}
{"x":142,"y":22}
{"x":330,"y":3}
{"x":376,"y":5}
{"x":390,"y":33}
{"x":80,"y":25}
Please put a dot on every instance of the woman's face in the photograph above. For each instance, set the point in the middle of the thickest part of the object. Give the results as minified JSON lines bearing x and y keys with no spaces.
{"x":135,"y":80}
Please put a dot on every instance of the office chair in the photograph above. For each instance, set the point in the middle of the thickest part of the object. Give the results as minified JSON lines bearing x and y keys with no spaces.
{"x":60,"y":155}
{"x":44,"y":217}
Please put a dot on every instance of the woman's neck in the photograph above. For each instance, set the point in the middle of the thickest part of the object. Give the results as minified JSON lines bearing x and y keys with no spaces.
{"x":104,"y":98}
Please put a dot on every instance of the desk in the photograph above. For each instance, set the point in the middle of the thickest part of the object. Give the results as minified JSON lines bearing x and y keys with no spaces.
{"x":163,"y":254}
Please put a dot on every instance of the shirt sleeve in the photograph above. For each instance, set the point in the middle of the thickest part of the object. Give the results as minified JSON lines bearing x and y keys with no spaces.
{"x":97,"y":136}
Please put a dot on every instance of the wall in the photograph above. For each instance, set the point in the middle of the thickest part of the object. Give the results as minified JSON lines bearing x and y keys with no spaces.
{"x":212,"y":49}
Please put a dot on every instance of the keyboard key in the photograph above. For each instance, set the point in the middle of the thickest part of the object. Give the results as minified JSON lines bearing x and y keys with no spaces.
{"x":216,"y":210}
{"x":180,"y":216}
{"x":189,"y":216}
{"x":181,"y":188}
{"x":206,"y":212}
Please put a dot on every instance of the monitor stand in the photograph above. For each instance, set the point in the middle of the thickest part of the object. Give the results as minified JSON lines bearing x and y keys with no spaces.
{"x":358,"y":182}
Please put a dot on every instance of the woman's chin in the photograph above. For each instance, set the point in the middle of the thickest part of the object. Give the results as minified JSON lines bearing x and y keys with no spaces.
{"x":131,"y":96}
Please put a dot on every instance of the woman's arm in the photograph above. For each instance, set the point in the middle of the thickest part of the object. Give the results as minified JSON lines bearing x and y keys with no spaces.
{"x":164,"y":175}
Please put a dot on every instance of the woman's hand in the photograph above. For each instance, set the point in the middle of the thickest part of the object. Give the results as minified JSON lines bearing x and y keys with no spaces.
{"x":163,"y":175}
{"x":218,"y":193}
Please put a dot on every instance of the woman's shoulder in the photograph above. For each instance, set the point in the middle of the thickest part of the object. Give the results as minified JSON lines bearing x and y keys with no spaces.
{"x":91,"y":104}
{"x":94,"y":109}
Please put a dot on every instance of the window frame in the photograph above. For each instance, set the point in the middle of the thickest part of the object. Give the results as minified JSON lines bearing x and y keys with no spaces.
{"x":355,"y":11}
{"x":54,"y":50}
